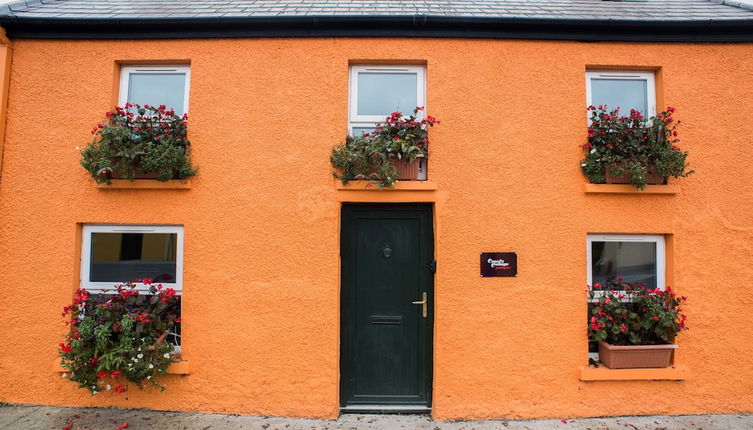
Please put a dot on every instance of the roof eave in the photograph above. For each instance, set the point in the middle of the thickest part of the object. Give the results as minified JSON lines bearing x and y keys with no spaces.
{"x":382,"y":26}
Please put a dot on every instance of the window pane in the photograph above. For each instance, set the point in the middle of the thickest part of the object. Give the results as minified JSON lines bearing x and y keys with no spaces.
{"x":384,"y":93}
{"x":359,"y":131}
{"x":156,"y":89}
{"x":634,"y":261}
{"x":625,"y":93}
{"x":120,"y":257}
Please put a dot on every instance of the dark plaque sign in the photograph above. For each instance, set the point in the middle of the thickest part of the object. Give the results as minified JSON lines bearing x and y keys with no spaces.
{"x":499,"y":264}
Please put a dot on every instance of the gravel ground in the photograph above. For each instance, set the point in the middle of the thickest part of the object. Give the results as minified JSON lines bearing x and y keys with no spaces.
{"x":25,"y":417}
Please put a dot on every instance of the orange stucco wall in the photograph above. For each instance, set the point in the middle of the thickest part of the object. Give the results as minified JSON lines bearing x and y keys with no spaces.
{"x":262,"y":338}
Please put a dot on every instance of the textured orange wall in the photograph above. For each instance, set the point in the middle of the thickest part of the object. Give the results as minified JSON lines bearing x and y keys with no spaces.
{"x":261,"y":285}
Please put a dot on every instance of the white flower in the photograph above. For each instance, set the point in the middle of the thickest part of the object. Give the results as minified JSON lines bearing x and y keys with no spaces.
{"x":583,"y":165}
{"x":139,"y":349}
{"x":140,"y":356}
{"x":167,"y":355}
{"x":151,"y":366}
{"x":149,"y":377}
{"x":65,"y":375}
{"x":94,"y":393}
{"x":107,"y":387}
{"x":593,"y":150}
{"x":135,"y":360}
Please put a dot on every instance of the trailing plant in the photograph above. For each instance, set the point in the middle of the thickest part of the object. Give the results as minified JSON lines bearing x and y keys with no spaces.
{"x":371,"y":156}
{"x":626,"y":314}
{"x":139,"y":140}
{"x":632,"y":146}
{"x":119,"y":338}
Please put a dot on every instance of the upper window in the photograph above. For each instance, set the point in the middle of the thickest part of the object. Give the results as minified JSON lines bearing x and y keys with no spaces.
{"x":112,"y":254}
{"x":626,"y":90}
{"x":639,"y":259}
{"x":377,"y":91}
{"x":156,"y":85}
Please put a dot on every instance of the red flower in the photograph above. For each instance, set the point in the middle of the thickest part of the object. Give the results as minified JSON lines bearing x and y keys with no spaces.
{"x":178,"y":320}
{"x":65,"y":348}
{"x":119,"y":389}
{"x":116,"y":374}
{"x":101,"y":374}
{"x":656,"y":318}
{"x":623,"y":328}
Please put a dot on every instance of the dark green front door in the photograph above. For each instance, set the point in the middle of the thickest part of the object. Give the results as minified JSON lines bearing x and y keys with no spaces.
{"x":387,"y":254}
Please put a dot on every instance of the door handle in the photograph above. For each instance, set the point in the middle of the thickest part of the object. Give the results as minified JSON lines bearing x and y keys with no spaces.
{"x":424,"y":306}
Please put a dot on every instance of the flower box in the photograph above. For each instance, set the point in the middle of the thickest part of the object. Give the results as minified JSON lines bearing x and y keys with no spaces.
{"x":407,"y":170}
{"x":151,"y":175}
{"x":386,"y":155}
{"x":635,"y":356}
{"x":651,"y":178}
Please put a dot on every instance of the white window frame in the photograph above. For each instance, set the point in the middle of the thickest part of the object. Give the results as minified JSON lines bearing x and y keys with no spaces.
{"x":658,"y":239}
{"x":368,"y":121}
{"x":649,"y":77}
{"x":109,"y":287}
{"x":126,"y":71}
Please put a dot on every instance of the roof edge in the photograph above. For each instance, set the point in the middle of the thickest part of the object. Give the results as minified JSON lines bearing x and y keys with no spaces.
{"x":382,"y":26}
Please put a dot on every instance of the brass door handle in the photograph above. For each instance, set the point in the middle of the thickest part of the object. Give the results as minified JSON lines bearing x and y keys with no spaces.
{"x":424,"y":306}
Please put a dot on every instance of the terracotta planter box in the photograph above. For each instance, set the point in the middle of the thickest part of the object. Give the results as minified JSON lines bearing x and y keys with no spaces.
{"x":651,"y":178}
{"x":406,"y":171}
{"x":116,"y":175}
{"x":635,"y":356}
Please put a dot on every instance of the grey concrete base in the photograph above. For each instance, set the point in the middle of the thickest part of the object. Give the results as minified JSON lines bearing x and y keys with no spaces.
{"x":24,"y":417}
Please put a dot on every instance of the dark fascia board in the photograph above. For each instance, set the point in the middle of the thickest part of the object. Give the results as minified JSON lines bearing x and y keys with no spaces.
{"x":382,"y":26}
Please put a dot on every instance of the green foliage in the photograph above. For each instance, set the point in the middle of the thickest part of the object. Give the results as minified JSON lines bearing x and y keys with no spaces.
{"x":139,"y":140}
{"x":633,"y":146}
{"x":119,"y":338}
{"x":371,"y":157}
{"x":634,"y":315}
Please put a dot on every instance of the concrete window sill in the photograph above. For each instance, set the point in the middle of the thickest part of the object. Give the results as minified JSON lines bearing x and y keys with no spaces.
{"x":147,"y":184}
{"x":176,"y":368}
{"x":629,"y":189}
{"x":402,"y":192}
{"x":672,"y":373}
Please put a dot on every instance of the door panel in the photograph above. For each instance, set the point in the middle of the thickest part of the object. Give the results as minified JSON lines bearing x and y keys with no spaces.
{"x":387,"y":252}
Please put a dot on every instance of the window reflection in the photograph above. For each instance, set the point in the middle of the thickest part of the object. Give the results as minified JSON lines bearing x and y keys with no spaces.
{"x":634,"y":261}
{"x":120,"y":257}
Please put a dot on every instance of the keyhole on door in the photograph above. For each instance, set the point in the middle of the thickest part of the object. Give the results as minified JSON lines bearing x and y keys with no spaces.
{"x":387,"y":251}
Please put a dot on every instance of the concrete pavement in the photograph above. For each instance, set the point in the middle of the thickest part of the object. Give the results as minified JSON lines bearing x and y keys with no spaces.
{"x":29,"y":417}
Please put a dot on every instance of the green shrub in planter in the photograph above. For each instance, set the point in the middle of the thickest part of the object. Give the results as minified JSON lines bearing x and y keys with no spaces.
{"x":139,"y":140}
{"x":371,"y":157}
{"x":119,"y":338}
{"x":632,"y":147}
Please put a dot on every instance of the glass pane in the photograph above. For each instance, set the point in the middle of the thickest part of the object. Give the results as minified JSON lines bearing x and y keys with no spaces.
{"x":359,"y":131}
{"x":634,"y":261}
{"x":625,"y":93}
{"x":384,"y":93}
{"x":156,"y":89}
{"x":120,"y":257}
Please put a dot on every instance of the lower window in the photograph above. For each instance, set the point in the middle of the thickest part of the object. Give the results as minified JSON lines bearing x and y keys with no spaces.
{"x":637,"y":258}
{"x":146,"y":255}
